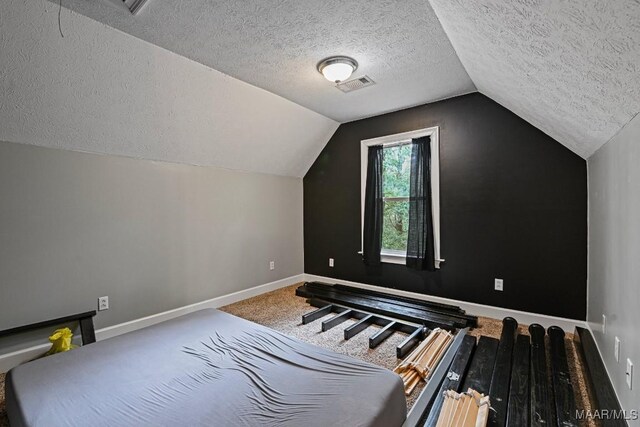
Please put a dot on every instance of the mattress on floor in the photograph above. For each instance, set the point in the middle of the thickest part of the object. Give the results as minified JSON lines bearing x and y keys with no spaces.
{"x":207,"y":368}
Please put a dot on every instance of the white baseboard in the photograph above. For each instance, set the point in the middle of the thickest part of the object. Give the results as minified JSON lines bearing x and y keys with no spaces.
{"x":523,"y":317}
{"x":606,"y":367}
{"x":9,"y":360}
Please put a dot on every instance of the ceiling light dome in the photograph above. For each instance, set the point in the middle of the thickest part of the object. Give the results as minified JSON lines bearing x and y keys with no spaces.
{"x":337,"y":68}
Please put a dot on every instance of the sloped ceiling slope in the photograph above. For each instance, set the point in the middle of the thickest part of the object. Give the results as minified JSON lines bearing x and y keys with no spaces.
{"x":99,"y":90}
{"x":570,"y":67}
{"x":277,"y":44}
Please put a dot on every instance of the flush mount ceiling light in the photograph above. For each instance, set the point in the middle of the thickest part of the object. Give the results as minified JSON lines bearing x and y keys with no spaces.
{"x":337,"y":68}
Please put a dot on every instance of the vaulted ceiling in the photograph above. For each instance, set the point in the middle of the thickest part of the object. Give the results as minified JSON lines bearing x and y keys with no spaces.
{"x":89,"y":87}
{"x":276,"y":45}
{"x":570,"y":67}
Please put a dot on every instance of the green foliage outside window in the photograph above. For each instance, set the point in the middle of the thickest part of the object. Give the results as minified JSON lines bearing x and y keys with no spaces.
{"x":395,"y":184}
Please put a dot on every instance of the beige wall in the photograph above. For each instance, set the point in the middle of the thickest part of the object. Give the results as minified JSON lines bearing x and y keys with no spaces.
{"x":151,"y":235}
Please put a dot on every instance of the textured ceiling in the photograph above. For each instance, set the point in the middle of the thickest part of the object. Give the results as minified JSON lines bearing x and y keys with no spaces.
{"x":103,"y":91}
{"x":276,"y":45}
{"x":570,"y":67}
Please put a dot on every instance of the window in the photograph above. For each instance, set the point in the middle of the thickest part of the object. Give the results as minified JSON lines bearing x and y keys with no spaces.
{"x":395,"y":189}
{"x":396,"y":166}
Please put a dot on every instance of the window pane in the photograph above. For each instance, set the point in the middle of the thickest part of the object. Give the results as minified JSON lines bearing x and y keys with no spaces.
{"x":396,"y":169}
{"x":395,"y":225}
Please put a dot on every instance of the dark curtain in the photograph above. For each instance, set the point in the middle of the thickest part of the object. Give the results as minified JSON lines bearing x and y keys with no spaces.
{"x":373,"y":204}
{"x":420,"y":251}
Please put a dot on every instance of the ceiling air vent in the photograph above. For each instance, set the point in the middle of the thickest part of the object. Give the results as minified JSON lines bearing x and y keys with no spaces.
{"x":355,"y":84}
{"x":133,"y":6}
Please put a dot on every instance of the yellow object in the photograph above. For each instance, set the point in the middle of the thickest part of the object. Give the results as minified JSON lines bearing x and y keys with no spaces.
{"x":60,"y":341}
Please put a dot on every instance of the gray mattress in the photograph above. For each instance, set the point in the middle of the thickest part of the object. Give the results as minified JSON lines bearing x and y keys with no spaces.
{"x":205,"y":368}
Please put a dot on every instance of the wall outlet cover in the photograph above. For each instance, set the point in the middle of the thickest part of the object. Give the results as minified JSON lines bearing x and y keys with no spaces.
{"x":272,"y":265}
{"x":604,"y":324}
{"x":330,"y":262}
{"x":499,"y":285}
{"x":103,"y":303}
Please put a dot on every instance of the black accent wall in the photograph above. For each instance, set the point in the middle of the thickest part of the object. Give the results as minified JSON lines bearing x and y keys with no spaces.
{"x":513,"y":206}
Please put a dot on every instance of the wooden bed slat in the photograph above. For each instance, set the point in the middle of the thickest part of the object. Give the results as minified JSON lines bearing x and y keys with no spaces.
{"x":453,"y":379}
{"x":499,"y":389}
{"x":358,"y":327}
{"x":518,"y":408}
{"x":316,"y":314}
{"x":479,"y":374}
{"x":603,"y":393}
{"x":336,"y":320}
{"x":384,"y":333}
{"x":565,"y":399}
{"x":541,"y":403}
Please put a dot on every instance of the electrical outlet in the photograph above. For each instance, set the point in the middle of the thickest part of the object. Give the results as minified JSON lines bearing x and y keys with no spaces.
{"x":103,"y":303}
{"x":272,"y":265}
{"x":330,"y":262}
{"x":498,"y":285}
{"x":629,"y":374}
{"x":616,"y":349}
{"x":604,"y":324}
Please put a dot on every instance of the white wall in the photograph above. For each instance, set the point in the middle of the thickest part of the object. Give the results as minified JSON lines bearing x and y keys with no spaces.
{"x":103,"y":91}
{"x":614,"y":255}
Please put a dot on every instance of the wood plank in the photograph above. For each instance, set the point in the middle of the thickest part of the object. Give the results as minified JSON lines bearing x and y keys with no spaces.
{"x":425,"y":303}
{"x":418,"y":411}
{"x":518,"y":407}
{"x":410,"y":342}
{"x":336,"y":320}
{"x":480,"y":371}
{"x":453,"y":378}
{"x":416,"y":315}
{"x":378,"y":319}
{"x":358,"y":327}
{"x":431,"y":320}
{"x":87,"y":330}
{"x":456,"y":312}
{"x":598,"y":380}
{"x":541,"y":410}
{"x":499,"y":389}
{"x":316,"y":314}
{"x":563,"y":394}
{"x":381,"y":335}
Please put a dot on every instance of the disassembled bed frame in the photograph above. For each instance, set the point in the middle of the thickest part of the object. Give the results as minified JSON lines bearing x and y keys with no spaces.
{"x":512,"y":371}
{"x":415,"y":332}
{"x":421,"y":312}
{"x":411,"y":316}
{"x":85,"y":320}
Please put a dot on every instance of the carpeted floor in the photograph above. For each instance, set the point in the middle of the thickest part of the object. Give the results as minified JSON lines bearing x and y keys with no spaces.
{"x":282,"y":310}
{"x":4,"y":422}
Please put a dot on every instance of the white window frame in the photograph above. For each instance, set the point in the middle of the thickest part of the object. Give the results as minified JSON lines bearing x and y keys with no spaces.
{"x":399,"y":257}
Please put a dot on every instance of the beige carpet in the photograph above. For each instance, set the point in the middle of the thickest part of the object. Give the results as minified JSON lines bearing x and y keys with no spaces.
{"x":282,"y":310}
{"x":4,"y":422}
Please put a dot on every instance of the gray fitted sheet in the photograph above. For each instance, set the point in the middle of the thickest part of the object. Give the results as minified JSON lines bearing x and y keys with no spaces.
{"x":207,"y":368}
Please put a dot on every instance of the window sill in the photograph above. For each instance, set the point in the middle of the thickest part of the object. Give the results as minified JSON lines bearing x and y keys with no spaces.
{"x":399,"y":258}
{"x":393,"y":258}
